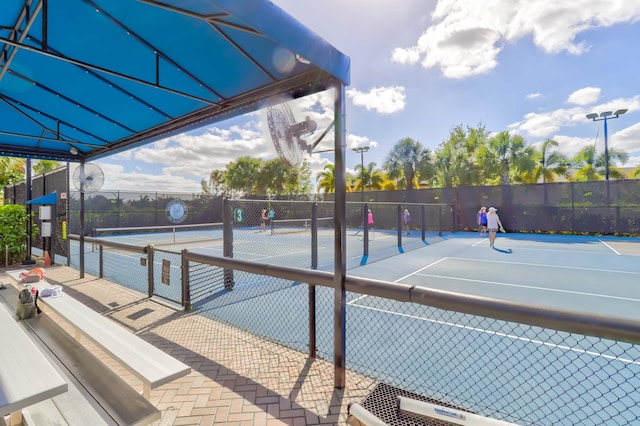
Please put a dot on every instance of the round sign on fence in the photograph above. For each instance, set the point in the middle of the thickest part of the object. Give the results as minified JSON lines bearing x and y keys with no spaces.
{"x":176,"y":211}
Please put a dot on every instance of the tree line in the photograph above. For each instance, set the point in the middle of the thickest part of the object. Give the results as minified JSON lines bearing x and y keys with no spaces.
{"x":470,"y":156}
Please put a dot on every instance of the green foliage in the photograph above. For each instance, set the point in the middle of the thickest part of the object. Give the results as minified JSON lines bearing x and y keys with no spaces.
{"x":13,"y":231}
{"x":45,"y":166}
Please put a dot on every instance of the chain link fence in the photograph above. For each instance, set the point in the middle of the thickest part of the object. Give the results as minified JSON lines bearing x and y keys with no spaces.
{"x":513,"y":362}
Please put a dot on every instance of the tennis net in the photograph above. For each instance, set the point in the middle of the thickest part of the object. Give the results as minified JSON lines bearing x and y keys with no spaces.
{"x":163,"y":235}
{"x":292,"y":226}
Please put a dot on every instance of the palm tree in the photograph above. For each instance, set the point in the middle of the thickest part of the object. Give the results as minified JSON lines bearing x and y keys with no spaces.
{"x":548,"y":165}
{"x":507,"y":154}
{"x":11,"y":170}
{"x":592,"y":167}
{"x":326,"y":179}
{"x":585,"y":162}
{"x":44,"y":166}
{"x":370,"y":177}
{"x":615,"y":155}
{"x":551,"y":163}
{"x":404,"y":161}
{"x":455,"y":159}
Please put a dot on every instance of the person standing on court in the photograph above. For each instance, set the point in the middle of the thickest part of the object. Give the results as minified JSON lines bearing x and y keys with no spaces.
{"x":370,"y":222}
{"x":406,"y":221}
{"x":482,"y":221}
{"x":493,"y":224}
{"x":263,"y":220}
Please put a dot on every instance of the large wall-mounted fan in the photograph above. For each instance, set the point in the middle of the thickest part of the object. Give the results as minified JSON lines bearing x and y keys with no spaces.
{"x":288,"y":136}
{"x":88,"y":177}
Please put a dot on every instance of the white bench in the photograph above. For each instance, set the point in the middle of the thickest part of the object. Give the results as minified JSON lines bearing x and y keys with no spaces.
{"x":150,"y":364}
{"x":26,"y":376}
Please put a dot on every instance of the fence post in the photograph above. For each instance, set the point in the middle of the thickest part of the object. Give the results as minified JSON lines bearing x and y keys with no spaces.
{"x":314,"y":235}
{"x":150,"y":274}
{"x":100,"y":261}
{"x":227,"y":238}
{"x":186,"y":288}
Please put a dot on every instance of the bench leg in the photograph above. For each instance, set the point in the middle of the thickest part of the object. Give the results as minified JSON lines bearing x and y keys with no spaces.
{"x":16,"y":418}
{"x":146,"y":392}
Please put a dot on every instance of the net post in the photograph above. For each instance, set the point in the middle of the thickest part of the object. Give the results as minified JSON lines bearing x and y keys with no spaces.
{"x":399,"y":226}
{"x":227,"y":237}
{"x":365,"y":234}
{"x":423,"y":219}
{"x":314,"y":236}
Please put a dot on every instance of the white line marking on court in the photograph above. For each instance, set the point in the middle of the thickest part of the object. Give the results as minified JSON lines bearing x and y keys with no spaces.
{"x":421,"y":269}
{"x":508,"y":336}
{"x":479,"y":242}
{"x":532,"y":287}
{"x":609,"y":247}
{"x":400,"y":279}
{"x":581,"y":268}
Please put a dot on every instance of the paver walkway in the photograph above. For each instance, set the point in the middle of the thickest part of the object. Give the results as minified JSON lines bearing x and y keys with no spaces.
{"x":236,"y":378}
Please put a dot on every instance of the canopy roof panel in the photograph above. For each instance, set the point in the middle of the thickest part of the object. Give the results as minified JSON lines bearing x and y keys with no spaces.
{"x":83,"y":79}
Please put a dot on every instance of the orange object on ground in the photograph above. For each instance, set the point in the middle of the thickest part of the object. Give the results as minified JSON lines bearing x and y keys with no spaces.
{"x":47,"y":258}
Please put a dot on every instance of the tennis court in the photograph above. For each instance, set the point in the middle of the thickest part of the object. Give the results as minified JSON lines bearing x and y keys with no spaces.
{"x":444,"y":353}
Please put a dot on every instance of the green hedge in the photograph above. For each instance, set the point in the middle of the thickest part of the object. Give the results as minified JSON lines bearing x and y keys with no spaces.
{"x":13,"y":232}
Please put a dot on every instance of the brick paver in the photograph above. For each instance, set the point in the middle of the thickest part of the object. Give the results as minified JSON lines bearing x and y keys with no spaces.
{"x":236,"y":378}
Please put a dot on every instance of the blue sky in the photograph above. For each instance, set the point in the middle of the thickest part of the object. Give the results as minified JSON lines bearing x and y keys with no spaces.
{"x":421,"y":67}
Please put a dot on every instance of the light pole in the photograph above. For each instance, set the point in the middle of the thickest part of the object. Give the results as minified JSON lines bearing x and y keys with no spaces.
{"x":604,"y":116}
{"x":361,"y":150}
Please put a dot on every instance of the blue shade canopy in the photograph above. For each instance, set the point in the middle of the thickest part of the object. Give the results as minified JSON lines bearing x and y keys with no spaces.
{"x":84,"y":79}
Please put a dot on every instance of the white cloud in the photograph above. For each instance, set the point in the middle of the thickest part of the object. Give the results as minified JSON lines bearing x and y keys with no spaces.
{"x":533,"y":95}
{"x":627,"y":139}
{"x":469,"y":34}
{"x":545,"y":124}
{"x":585,"y":96}
{"x":385,"y":100}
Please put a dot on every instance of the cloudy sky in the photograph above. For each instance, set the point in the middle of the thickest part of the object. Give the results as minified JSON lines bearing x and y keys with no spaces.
{"x":421,"y":67}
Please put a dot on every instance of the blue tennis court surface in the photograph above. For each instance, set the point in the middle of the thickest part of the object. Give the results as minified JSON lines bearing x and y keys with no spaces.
{"x":593,"y":274}
{"x":483,"y":362}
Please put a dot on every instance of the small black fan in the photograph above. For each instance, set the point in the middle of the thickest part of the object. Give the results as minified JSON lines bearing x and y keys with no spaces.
{"x":88,"y":178}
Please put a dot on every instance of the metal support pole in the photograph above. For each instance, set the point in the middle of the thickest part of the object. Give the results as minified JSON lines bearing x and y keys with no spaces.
{"x":340,"y":258}
{"x":606,"y":152}
{"x":28,"y":260}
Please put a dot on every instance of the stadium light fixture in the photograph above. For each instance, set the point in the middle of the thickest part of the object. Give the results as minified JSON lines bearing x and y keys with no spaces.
{"x":604,"y":116}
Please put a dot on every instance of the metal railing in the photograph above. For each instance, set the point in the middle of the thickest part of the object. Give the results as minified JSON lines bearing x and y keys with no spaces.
{"x":510,"y":361}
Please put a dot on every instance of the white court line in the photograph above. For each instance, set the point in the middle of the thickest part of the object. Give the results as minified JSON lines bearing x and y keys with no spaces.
{"x":406,"y":276}
{"x":509,"y":336}
{"x":580,"y":268}
{"x":609,"y":247}
{"x":531,"y":287}
{"x":479,"y":242}
{"x":421,"y":269}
